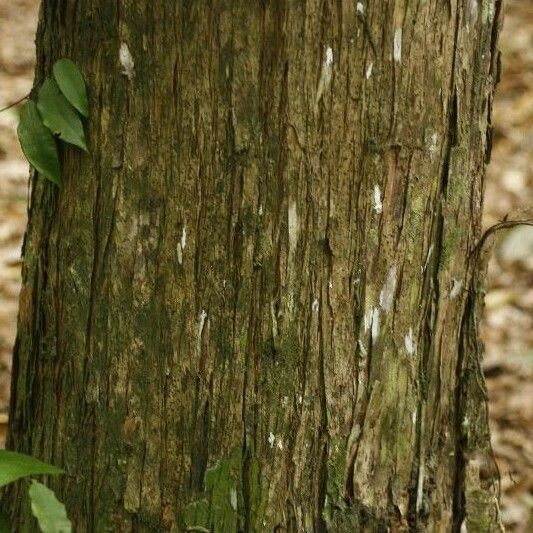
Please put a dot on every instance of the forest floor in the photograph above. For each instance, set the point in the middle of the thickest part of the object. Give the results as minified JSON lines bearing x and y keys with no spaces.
{"x":508,"y":324}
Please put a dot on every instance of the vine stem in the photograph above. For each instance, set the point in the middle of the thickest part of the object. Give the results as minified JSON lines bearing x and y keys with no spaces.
{"x":496,"y":227}
{"x":13,"y":104}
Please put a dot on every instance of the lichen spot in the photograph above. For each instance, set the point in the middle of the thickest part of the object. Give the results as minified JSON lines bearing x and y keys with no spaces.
{"x":375,"y":323}
{"x":201,"y":325}
{"x":386,"y":296}
{"x":183,"y":240}
{"x":181,"y":245}
{"x":233,"y":498}
{"x":368,"y":319}
{"x":369,"y":70}
{"x":271,"y":439}
{"x":398,"y":45}
{"x":126,"y":60}
{"x":432,"y":148}
{"x":325,"y":75}
{"x":329,"y":56}
{"x":315,"y":307}
{"x":360,"y":8}
{"x":410,"y":344}
{"x":376,"y":200}
{"x":294,"y":227}
{"x":456,"y":288}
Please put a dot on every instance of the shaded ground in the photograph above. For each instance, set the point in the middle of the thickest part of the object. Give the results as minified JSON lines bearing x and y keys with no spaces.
{"x":508,"y":327}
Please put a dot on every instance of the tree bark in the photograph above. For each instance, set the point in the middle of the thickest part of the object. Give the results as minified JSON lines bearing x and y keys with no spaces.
{"x":254,"y":305}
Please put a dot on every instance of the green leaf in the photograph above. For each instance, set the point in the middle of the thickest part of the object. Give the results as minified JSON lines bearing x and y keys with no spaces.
{"x":70,"y":81}
{"x":59,"y":116}
{"x":38,"y":144}
{"x":48,"y":510}
{"x":15,"y":465}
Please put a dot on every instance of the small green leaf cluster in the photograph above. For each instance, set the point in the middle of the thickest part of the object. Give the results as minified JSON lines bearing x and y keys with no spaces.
{"x":60,"y":102}
{"x":49,"y":511}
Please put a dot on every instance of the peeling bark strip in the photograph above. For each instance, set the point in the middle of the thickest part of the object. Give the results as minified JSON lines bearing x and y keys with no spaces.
{"x":252,"y":308}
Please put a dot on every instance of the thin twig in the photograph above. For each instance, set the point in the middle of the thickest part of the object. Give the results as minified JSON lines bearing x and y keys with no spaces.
{"x":13,"y":104}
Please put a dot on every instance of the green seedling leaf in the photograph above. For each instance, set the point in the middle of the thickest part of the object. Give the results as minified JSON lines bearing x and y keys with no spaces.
{"x":72,"y":85}
{"x":38,"y":144}
{"x":59,"y":116}
{"x":48,"y":510}
{"x":15,"y":465}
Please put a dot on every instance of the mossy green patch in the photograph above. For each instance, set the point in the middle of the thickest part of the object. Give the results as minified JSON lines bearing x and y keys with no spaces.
{"x":220,"y":507}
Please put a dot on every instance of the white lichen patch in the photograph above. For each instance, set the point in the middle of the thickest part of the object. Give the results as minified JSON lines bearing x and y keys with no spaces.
{"x":410,"y":344}
{"x":126,"y":60}
{"x":271,"y":439}
{"x":183,"y":240}
{"x":360,"y":8}
{"x":325,"y":74}
{"x":456,"y":288}
{"x":413,"y":417}
{"x":398,"y":45}
{"x":201,"y":325}
{"x":375,"y":323}
{"x":369,"y":70}
{"x":294,"y":226}
{"x":420,"y":485}
{"x":432,"y":147}
{"x":315,"y":306}
{"x":181,"y":245}
{"x":233,"y":498}
{"x":386,"y":296}
{"x":329,"y":56}
{"x":367,"y":319}
{"x":376,"y":200}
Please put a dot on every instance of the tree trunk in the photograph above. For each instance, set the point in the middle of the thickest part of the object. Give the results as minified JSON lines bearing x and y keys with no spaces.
{"x":254,"y":306}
